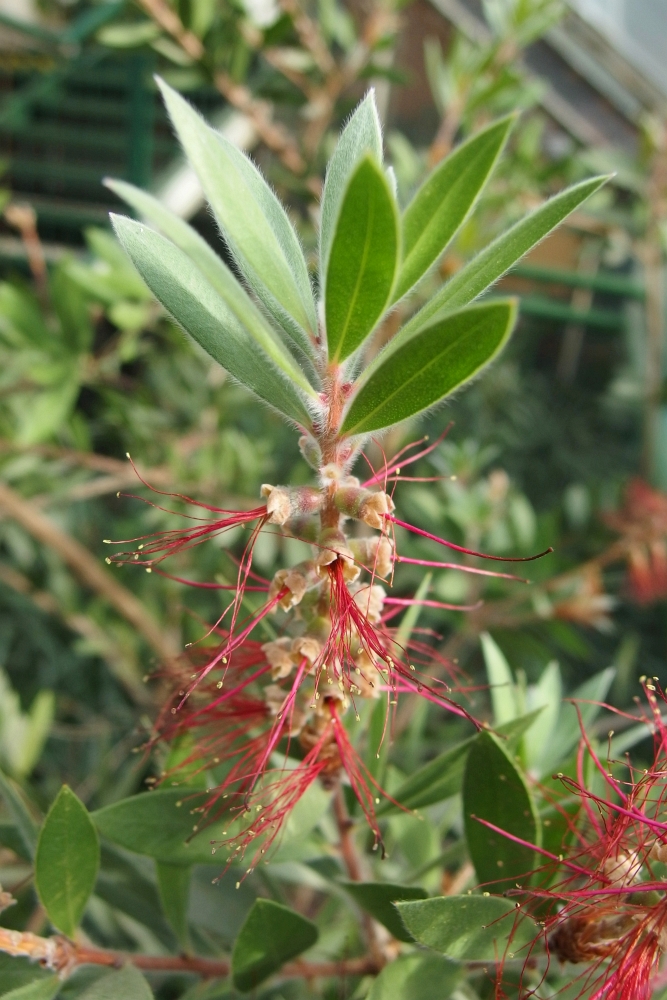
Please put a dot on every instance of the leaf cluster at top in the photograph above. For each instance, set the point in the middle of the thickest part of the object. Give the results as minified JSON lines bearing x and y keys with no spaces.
{"x":269,"y":331}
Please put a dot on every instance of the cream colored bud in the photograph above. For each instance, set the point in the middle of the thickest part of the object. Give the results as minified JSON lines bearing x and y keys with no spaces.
{"x":658,"y":852}
{"x":285,"y":502}
{"x":335,"y":475}
{"x":306,"y":647}
{"x":623,"y":869}
{"x":370,"y":601}
{"x":334,"y":545}
{"x":295,"y":581}
{"x":278,"y":654}
{"x":274,"y":698}
{"x":363,"y":505}
{"x":375,"y":553}
{"x":278,"y":504}
{"x":310,"y":450}
{"x":374,"y":508}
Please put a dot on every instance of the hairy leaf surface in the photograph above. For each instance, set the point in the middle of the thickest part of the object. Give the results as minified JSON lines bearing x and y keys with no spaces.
{"x":468,"y":928}
{"x":218,"y":274}
{"x":378,"y":899}
{"x":193,"y":302}
{"x":362,"y":266}
{"x":445,"y":199}
{"x":490,"y":265}
{"x":494,"y":790}
{"x":434,"y":363}
{"x":361,"y":135}
{"x":254,"y":223}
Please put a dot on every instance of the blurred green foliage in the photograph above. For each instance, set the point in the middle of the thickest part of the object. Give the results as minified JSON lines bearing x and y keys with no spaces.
{"x":91,"y":369}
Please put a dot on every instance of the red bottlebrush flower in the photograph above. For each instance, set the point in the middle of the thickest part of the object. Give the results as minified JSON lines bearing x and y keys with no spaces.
{"x":253,"y":710}
{"x":602,"y":903}
{"x":642,"y":521}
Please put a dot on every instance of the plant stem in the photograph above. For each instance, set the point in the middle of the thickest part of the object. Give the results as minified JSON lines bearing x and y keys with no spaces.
{"x":346,"y":843}
{"x":352,"y":863}
{"x":87,"y":568}
{"x":60,"y":955}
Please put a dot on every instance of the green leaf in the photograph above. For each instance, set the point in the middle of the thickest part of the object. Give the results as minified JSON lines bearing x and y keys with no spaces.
{"x":361,"y":135}
{"x":25,"y":824}
{"x":416,"y":977}
{"x":434,"y":363}
{"x":67,"y":861}
{"x":567,"y":732}
{"x":41,"y":989}
{"x":271,"y":935}
{"x":501,"y":681}
{"x":363,"y":260}
{"x":158,"y":824}
{"x":16,"y":972}
{"x":254,"y":223}
{"x":377,"y":898}
{"x":490,"y":265}
{"x":125,"y":984}
{"x":174,"y":885}
{"x":210,"y":990}
{"x":194,"y":303}
{"x":468,"y":928}
{"x":125,"y":883}
{"x":216,"y":272}
{"x":11,"y":838}
{"x":446,"y":199}
{"x":442,"y":777}
{"x":433,"y":782}
{"x":498,"y":257}
{"x":547,"y":694}
{"x":494,"y":790}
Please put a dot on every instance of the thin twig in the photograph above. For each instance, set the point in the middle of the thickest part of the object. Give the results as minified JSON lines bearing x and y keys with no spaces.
{"x":63,"y":956}
{"x":88,"y":569}
{"x":24,"y":218}
{"x":259,"y":112}
{"x":352,"y":863}
{"x":346,"y":842}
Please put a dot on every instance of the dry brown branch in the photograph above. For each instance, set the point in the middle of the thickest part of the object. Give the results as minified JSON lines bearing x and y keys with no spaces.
{"x":310,"y":36}
{"x":60,"y":955}
{"x":159,"y":475}
{"x":259,"y":112}
{"x":87,"y":568}
{"x":24,"y":218}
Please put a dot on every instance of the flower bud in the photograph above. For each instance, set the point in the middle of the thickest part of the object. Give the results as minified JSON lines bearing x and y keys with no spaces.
{"x":366,"y":682}
{"x":274,"y":699}
{"x":306,"y":647}
{"x":278,"y":654}
{"x":296,"y":581}
{"x":658,"y":852}
{"x":370,"y":601}
{"x":306,"y":528}
{"x":284,"y":502}
{"x":310,"y":450}
{"x":375,"y":553}
{"x":364,"y":505}
{"x":335,"y":475}
{"x":334,"y":545}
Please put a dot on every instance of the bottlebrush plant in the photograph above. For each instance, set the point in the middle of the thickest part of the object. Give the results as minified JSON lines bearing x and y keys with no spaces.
{"x":315,"y":360}
{"x":256,"y":726}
